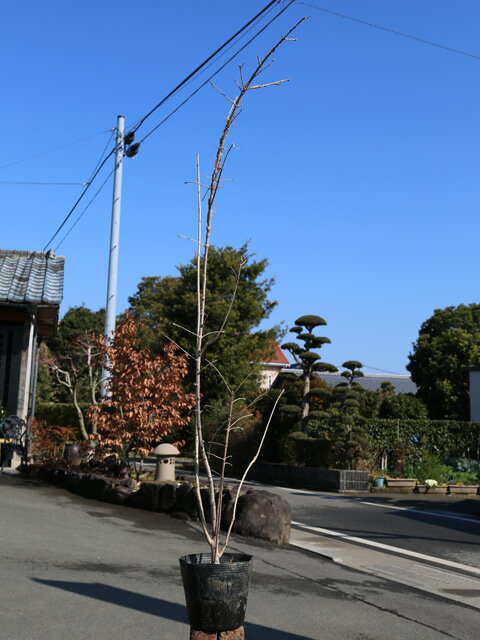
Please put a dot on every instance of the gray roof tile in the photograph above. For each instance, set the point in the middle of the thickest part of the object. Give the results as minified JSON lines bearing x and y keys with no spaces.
{"x":29,"y":277}
{"x":371,"y":381}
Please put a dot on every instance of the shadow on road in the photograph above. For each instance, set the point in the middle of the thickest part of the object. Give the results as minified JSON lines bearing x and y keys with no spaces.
{"x":156,"y":606}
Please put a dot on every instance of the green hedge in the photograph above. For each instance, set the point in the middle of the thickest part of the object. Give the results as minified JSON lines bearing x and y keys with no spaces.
{"x":59,"y":414}
{"x":310,"y":452}
{"x":447,"y":437}
{"x":403,"y":441}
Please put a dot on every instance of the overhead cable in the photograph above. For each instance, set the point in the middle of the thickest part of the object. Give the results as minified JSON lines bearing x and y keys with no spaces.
{"x":69,"y":184}
{"x":79,"y":199}
{"x":206,"y":67}
{"x":206,"y":61}
{"x":63,"y":146}
{"x":190,"y":96}
{"x":85,"y":209}
{"x":112,"y":133}
{"x":394,"y":31}
{"x":393,"y":373}
{"x":188,"y":78}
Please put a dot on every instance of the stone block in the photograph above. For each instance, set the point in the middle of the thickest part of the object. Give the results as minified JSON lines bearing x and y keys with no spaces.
{"x":117,"y":494}
{"x":186,"y":501}
{"x":261,"y":514}
{"x":234,"y":634}
{"x":147,"y":497}
{"x":167,"y":496}
{"x":202,"y":635}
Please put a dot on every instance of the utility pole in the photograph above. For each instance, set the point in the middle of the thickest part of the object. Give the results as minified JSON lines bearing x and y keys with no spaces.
{"x":111,"y":306}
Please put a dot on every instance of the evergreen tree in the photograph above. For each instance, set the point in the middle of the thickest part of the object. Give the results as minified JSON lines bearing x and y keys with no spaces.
{"x":308,"y":360}
{"x":167,"y":309}
{"x":67,"y":351}
{"x":447,"y":342}
{"x":350,"y":441}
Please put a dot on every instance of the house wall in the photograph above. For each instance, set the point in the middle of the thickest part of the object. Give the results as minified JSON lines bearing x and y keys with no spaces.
{"x":475,"y":396}
{"x":268,"y":375}
{"x":25,"y":370}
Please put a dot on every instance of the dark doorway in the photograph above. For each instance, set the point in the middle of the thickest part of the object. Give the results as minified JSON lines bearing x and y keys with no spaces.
{"x":10,"y":361}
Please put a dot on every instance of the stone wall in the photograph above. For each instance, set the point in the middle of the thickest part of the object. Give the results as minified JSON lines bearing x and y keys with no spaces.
{"x":260,"y":514}
{"x":339,"y":480}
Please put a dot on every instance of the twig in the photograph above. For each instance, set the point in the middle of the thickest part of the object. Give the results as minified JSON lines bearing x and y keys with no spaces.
{"x":251,"y":463}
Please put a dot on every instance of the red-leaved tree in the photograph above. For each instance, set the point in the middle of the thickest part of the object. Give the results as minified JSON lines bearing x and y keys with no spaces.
{"x":144,"y":400}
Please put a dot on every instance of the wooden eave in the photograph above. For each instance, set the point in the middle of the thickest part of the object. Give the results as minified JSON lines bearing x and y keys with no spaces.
{"x":46,"y":315}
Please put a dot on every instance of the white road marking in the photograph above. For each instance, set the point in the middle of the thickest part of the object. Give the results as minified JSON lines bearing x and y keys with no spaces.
{"x":386,"y":547}
{"x":437,"y":514}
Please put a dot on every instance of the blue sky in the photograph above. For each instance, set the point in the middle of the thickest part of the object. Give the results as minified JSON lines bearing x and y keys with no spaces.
{"x":358,"y":179}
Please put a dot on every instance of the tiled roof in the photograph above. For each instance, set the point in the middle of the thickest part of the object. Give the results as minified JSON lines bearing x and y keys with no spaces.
{"x":279,"y":358}
{"x":371,"y":381}
{"x":29,"y":277}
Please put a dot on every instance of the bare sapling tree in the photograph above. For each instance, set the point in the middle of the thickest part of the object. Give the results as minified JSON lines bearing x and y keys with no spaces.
{"x":205,"y":339}
{"x":83,"y":369}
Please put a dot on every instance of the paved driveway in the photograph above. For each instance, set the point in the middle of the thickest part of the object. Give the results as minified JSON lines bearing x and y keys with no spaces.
{"x":75,"y":569}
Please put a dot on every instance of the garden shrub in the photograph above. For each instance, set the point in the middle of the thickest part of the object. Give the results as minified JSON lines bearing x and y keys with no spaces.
{"x":57,"y":413}
{"x":462,"y":464}
{"x":463,"y":477}
{"x":430,"y":466}
{"x":306,"y":451}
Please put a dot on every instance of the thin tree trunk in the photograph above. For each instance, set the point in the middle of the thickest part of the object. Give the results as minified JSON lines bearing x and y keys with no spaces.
{"x":305,"y":402}
{"x":81,"y":419}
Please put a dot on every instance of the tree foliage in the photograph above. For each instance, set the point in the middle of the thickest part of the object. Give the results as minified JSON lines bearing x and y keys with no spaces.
{"x":447,"y":342}
{"x":349,"y":442}
{"x":144,"y":399}
{"x":167,"y":309}
{"x":402,"y":406}
{"x":71,"y":363}
{"x":68,"y":351}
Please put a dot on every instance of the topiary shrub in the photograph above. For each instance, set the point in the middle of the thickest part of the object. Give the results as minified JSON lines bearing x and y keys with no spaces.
{"x":303,"y":450}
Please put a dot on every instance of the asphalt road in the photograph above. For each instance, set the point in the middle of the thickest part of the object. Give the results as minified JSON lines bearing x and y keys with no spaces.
{"x":439,"y":526}
{"x":446,"y":527}
{"x":80,"y":569}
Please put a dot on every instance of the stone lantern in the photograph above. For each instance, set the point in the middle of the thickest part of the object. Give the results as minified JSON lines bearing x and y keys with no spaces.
{"x":165,"y":465}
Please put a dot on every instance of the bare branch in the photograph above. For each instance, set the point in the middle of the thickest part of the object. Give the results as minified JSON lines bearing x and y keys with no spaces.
{"x":229,"y":310}
{"x":221,"y":375}
{"x":204,"y":340}
{"x":178,"y":346}
{"x":268,"y":84}
{"x":221,"y":92}
{"x":184,"y":329}
{"x":251,"y":463}
{"x":205,"y":186}
{"x":188,"y":238}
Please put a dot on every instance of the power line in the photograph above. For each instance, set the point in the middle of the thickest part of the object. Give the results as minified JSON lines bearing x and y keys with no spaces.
{"x":190,"y":76}
{"x":393,"y":373}
{"x":394,"y":31}
{"x":212,"y":62}
{"x":78,"y":184}
{"x":206,"y":61}
{"x":112,"y":133}
{"x":85,"y":209}
{"x":63,"y":146}
{"x":79,"y":199}
{"x":190,"y":96}
{"x":44,"y":183}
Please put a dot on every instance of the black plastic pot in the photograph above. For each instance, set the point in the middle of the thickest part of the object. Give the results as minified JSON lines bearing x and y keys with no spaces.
{"x":73,"y":453}
{"x":216,"y":594}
